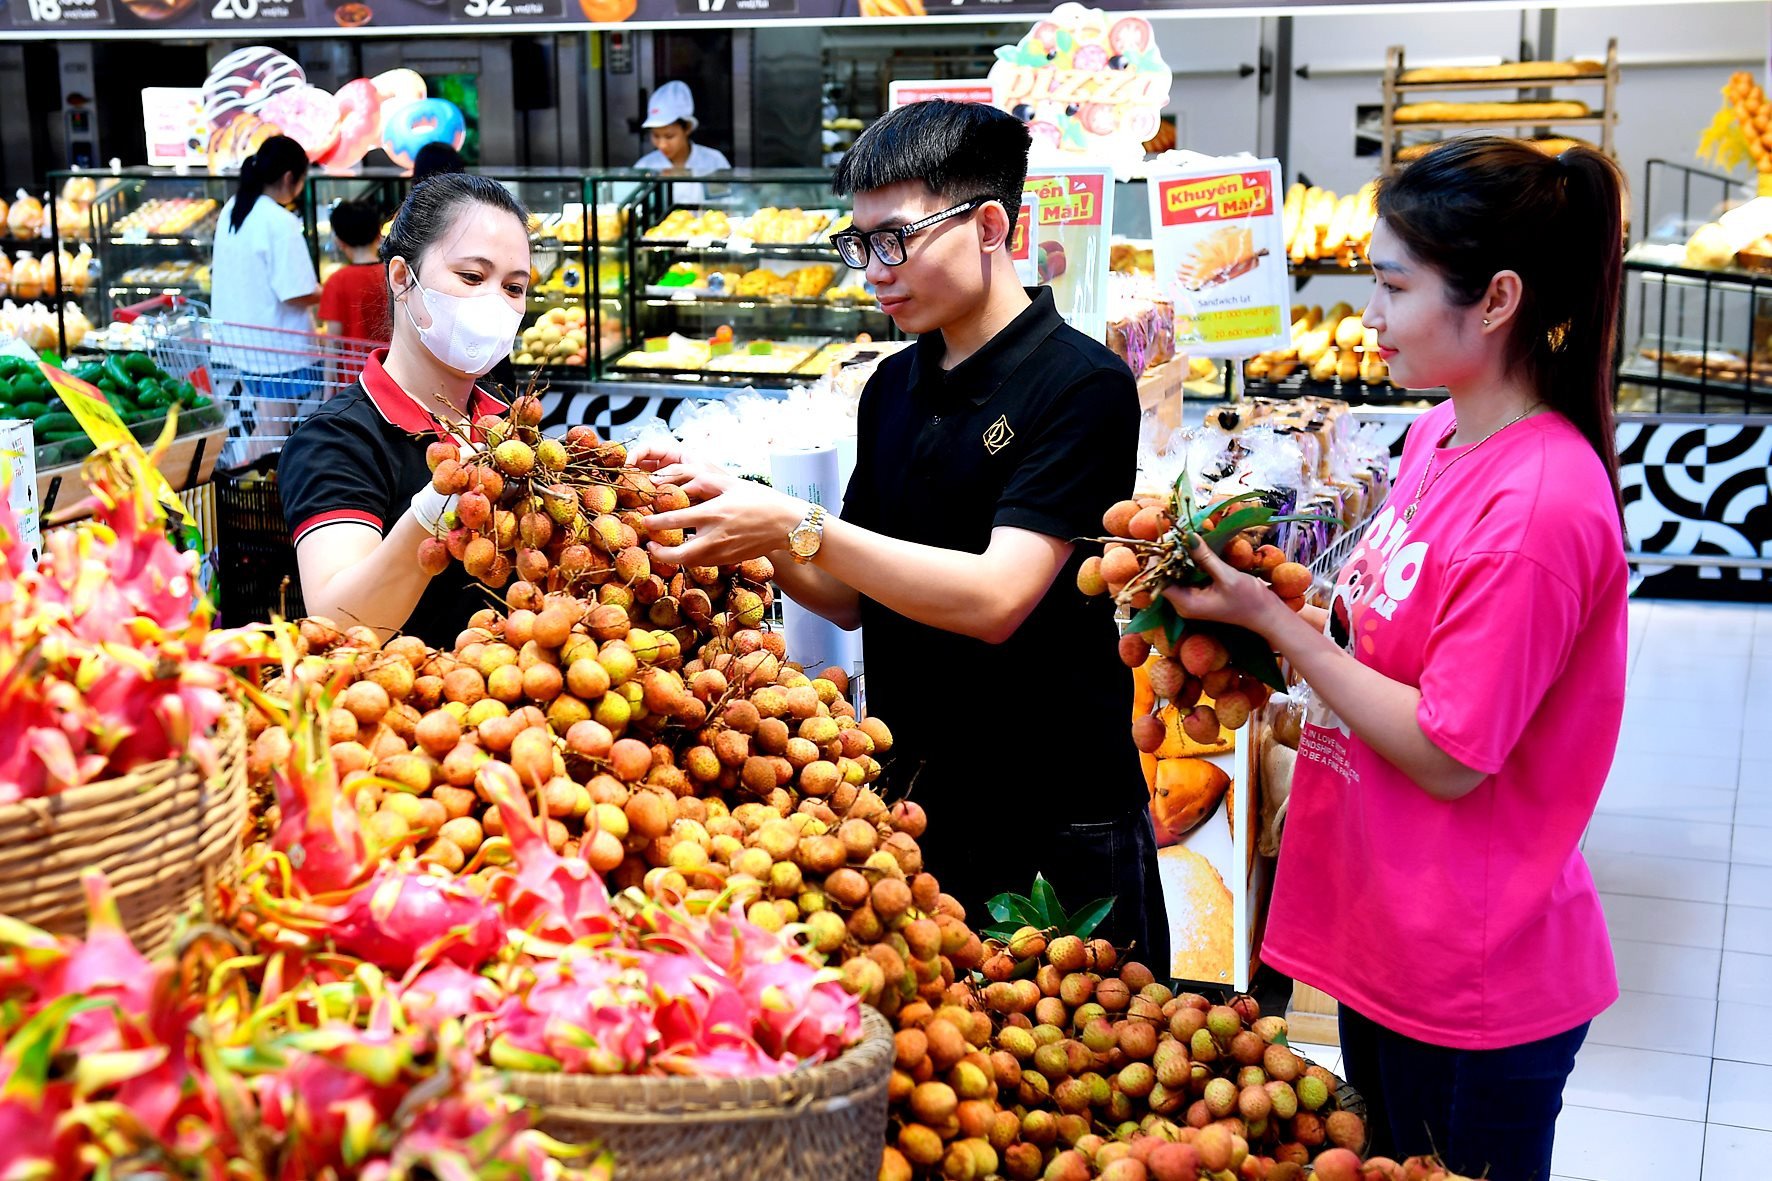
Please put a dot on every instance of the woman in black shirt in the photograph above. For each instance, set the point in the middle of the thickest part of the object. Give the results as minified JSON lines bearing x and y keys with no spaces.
{"x":355,"y":484}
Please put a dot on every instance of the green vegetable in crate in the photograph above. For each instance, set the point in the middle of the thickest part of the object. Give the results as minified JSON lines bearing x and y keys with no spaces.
{"x":139,"y":365}
{"x":32,"y":410}
{"x":57,"y":427}
{"x":11,"y":366}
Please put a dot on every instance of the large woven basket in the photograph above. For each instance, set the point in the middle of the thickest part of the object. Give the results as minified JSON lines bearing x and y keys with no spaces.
{"x":165,"y":835}
{"x":819,"y":1123}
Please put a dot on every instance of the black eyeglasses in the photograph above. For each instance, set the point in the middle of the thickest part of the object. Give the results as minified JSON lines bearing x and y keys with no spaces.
{"x":888,"y":245}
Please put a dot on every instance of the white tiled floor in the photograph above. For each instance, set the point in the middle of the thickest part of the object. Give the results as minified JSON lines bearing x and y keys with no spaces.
{"x":1675,"y":1080}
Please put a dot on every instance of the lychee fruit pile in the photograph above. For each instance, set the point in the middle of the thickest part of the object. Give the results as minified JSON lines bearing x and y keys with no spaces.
{"x":568,"y":515}
{"x":1212,"y":675}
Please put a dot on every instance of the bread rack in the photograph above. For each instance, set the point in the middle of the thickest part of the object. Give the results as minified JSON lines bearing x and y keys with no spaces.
{"x":1397,"y":91}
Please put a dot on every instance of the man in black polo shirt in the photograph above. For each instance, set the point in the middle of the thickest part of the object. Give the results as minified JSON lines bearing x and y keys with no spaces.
{"x":981,"y":452}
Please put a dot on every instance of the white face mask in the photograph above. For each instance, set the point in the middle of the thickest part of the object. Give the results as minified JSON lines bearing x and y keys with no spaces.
{"x":468,"y":333}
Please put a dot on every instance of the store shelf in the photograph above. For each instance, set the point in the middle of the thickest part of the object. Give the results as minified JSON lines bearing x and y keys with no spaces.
{"x":1736,"y":278}
{"x":1395,"y":93}
{"x":765,"y":304}
{"x":759,"y":249}
{"x":1599,"y":119}
{"x":1356,"y":393}
{"x":158,"y":240}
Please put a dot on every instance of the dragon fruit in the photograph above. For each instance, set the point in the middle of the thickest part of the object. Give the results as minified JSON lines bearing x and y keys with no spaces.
{"x":107,"y":661}
{"x":555,"y":897}
{"x":583,"y":1014}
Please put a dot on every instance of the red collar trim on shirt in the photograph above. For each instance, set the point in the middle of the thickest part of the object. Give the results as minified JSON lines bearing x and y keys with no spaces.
{"x":394,"y":405}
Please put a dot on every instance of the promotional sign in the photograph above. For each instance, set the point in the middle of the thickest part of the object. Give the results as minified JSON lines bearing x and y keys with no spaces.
{"x":255,"y":93}
{"x":1221,"y":254}
{"x":177,"y":131}
{"x":154,"y":19}
{"x":1061,"y":241}
{"x":1089,"y":86}
{"x":1204,"y":811}
{"x":903,"y":93}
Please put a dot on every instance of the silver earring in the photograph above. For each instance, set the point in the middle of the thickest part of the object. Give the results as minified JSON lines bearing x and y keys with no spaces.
{"x":1485,"y":323}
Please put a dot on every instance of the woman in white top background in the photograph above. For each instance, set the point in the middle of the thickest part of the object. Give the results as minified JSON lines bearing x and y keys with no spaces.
{"x":670,"y":117}
{"x":262,"y":277}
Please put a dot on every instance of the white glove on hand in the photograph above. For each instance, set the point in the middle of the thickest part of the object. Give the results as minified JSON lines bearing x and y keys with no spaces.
{"x":430,"y":505}
{"x":428,"y":508}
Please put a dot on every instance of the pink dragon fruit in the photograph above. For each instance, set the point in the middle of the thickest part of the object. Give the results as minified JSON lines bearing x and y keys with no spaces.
{"x":405,"y":914}
{"x":585,"y":1014}
{"x":554,"y":897}
{"x":106,"y":660}
{"x":447,"y":990}
{"x":317,"y":828}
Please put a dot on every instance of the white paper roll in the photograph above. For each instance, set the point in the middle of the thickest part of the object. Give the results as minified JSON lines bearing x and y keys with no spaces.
{"x":814,"y":476}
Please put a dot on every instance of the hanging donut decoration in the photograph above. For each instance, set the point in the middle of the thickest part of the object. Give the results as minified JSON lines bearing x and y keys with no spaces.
{"x":413,"y":125}
{"x":245,"y":80}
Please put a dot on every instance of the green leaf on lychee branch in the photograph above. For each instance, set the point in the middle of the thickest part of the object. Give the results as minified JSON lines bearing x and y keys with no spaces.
{"x":1154,"y":616}
{"x":1197,"y":517}
{"x":1083,"y":923}
{"x":1002,"y":932}
{"x":1244,"y":518}
{"x":1046,"y":900}
{"x":1174,"y":626}
{"x":1253,"y":655}
{"x":1017,"y":908}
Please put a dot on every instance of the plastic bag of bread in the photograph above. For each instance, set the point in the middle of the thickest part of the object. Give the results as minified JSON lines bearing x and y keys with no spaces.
{"x":1279,"y":757}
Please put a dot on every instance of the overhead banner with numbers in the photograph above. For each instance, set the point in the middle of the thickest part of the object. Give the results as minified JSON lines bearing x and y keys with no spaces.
{"x":174,"y":18}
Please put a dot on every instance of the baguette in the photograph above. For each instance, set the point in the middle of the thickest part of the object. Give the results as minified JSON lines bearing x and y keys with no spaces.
{"x":1516,"y":114}
{"x":1509,"y":72}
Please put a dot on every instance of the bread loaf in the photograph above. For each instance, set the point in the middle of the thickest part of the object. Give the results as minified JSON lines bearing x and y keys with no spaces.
{"x":1514,"y":113}
{"x":1507,"y":72}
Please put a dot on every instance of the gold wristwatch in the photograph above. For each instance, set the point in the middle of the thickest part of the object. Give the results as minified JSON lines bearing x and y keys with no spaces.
{"x":805,"y":538}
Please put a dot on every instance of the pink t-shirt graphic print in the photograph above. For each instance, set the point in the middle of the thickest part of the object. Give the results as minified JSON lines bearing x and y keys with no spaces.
{"x":1470,"y":923}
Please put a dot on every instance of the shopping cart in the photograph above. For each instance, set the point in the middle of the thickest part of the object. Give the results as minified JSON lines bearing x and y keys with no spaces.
{"x":266,"y":379}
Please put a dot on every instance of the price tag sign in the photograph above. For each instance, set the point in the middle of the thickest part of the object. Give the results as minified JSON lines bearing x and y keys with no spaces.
{"x":498,"y":11}
{"x":62,"y":14}
{"x":233,"y":13}
{"x":101,"y":424}
{"x":730,"y":7}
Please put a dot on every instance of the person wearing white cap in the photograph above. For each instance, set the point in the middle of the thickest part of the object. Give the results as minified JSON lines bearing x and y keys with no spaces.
{"x":670,"y":117}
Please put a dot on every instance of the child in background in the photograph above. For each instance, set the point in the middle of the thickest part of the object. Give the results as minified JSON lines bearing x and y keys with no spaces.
{"x":354,"y":301}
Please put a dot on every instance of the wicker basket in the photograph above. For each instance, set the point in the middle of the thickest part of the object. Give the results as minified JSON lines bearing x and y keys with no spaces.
{"x":820,"y":1123}
{"x":164,"y":835}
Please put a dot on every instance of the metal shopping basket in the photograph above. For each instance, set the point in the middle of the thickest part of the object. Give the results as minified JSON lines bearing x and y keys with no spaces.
{"x":266,"y":379}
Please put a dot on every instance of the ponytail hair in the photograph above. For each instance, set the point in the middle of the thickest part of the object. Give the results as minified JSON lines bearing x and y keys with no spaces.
{"x":276,"y":158}
{"x":1484,"y":204}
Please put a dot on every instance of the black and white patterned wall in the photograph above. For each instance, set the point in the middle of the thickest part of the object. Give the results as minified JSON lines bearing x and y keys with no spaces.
{"x":1697,"y":486}
{"x":615,"y":415}
{"x":1693,"y":486}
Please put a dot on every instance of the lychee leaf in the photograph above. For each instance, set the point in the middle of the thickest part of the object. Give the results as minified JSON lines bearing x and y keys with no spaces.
{"x":1017,"y":907}
{"x":1244,"y":518}
{"x":1253,"y":655}
{"x":1046,"y":898}
{"x":1003,"y":932}
{"x":1174,"y":627}
{"x":1083,"y":923}
{"x":1198,"y":519}
{"x":1152,"y":616}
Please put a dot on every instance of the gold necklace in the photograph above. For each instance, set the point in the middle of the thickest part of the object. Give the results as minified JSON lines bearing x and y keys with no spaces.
{"x":1425,"y":485}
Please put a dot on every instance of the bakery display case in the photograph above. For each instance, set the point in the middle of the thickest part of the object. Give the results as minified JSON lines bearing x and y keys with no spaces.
{"x":1697,"y":331}
{"x":149,"y":232}
{"x":743,"y":289}
{"x":1411,"y":105}
{"x":577,"y":258}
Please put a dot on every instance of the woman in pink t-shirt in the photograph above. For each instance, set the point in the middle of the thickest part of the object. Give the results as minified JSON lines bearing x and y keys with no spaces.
{"x":1468,"y":685}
